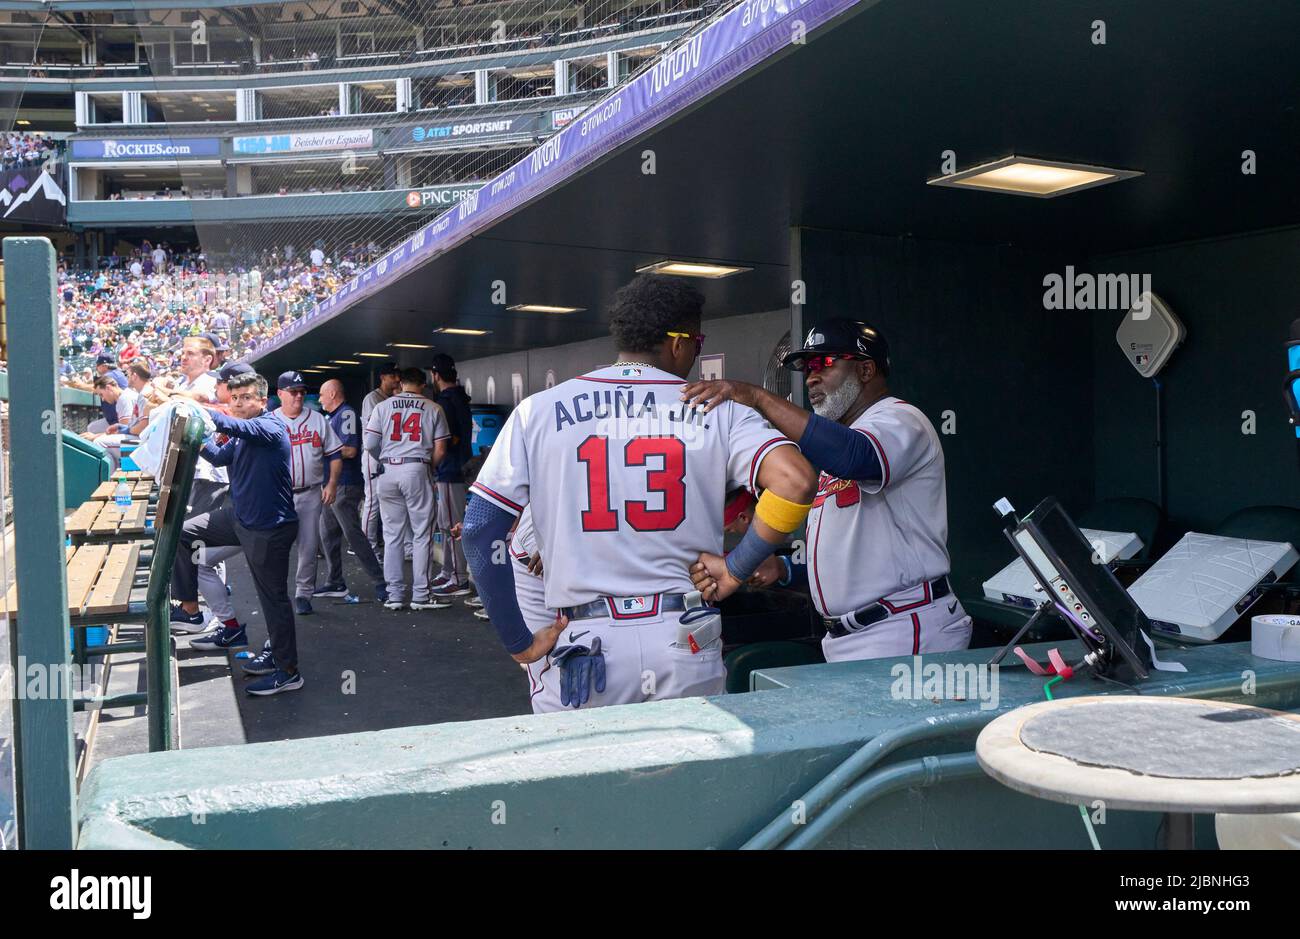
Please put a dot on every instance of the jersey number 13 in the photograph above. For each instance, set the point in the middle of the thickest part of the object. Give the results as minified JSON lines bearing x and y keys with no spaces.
{"x":670,"y":481}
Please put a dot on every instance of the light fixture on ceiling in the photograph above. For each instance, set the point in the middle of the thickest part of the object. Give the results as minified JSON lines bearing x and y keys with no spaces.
{"x":1029,"y":176}
{"x":461,"y":331}
{"x":24,"y":123}
{"x":372,"y":355}
{"x":693,"y":269}
{"x":408,"y":345}
{"x":343,"y":362}
{"x":544,"y":308}
{"x":311,"y":371}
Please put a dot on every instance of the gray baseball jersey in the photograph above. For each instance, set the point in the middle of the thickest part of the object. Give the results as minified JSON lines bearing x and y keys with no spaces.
{"x":868,"y":539}
{"x":312,"y":440}
{"x":626,"y":487}
{"x":405,"y":426}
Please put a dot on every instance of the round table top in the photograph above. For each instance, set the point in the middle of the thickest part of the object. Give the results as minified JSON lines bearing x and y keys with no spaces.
{"x":1148,"y":754}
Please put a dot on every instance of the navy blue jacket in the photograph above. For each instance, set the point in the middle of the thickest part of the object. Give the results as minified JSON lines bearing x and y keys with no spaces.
{"x":261,"y":486}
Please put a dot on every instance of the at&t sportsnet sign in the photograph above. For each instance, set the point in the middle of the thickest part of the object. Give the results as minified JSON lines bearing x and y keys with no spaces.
{"x":146,"y":148}
{"x":439,"y":197}
{"x":467,"y":130}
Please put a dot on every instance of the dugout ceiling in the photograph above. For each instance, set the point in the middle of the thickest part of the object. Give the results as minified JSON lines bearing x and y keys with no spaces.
{"x":842,"y":133}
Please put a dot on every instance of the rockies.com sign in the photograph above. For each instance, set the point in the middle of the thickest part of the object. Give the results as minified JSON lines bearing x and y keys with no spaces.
{"x":146,"y":148}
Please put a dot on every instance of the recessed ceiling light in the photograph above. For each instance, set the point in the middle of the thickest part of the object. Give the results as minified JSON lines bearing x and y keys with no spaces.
{"x":459,"y":331}
{"x":24,"y":123}
{"x":311,"y":371}
{"x":1029,"y":176}
{"x":692,"y":269}
{"x":372,"y":355}
{"x":544,"y":308}
{"x":408,"y":345}
{"x":344,"y":362}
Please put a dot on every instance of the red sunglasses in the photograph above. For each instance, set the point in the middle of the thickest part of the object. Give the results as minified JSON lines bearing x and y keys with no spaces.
{"x":819,"y":362}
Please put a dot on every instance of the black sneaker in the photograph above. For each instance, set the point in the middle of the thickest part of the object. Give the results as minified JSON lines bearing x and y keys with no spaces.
{"x":277,"y":681}
{"x":223,"y":638}
{"x":302,"y":606}
{"x":331,"y":590}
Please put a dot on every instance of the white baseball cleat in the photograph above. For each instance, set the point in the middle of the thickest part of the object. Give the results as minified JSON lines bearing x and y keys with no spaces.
{"x":395,"y":605}
{"x":480,"y":614}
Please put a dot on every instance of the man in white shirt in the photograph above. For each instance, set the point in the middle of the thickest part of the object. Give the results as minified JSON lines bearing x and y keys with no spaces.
{"x":126,"y":401}
{"x":317,"y":257}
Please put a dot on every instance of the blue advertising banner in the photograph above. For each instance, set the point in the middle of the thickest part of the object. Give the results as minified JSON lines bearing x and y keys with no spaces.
{"x":146,"y":148}
{"x":699,"y":64}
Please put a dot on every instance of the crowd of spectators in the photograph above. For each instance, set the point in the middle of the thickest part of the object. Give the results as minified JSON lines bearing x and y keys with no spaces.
{"x":141,"y":306}
{"x":18,"y":150}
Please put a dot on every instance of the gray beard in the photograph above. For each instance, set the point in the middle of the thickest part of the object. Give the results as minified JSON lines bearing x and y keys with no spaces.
{"x":836,"y":404}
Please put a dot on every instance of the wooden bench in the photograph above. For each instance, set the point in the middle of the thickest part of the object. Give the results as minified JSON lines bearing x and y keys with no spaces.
{"x":130,"y":475}
{"x":100,"y":580}
{"x":107,"y":490}
{"x":107,"y":521}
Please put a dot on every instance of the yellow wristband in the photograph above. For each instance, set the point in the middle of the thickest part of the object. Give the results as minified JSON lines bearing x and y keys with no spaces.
{"x":780,"y":514}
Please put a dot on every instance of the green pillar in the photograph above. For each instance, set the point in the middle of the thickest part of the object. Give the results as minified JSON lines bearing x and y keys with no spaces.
{"x":46,"y":767}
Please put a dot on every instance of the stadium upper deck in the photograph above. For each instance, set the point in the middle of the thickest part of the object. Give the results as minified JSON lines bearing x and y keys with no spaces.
{"x":361,"y":110}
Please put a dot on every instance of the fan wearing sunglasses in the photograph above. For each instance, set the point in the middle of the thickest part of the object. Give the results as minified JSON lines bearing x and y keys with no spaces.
{"x":877,"y":555}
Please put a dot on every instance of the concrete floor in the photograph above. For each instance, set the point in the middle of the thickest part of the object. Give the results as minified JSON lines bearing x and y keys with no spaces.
{"x":365,"y":668}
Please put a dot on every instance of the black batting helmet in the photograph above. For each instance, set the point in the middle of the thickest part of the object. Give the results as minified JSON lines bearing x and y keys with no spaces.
{"x":842,"y":337}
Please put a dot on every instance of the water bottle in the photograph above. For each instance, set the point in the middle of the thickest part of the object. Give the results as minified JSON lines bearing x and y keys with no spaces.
{"x":122,"y":495}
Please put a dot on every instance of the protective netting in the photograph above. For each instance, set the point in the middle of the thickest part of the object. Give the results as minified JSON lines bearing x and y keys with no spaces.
{"x":367,"y":119}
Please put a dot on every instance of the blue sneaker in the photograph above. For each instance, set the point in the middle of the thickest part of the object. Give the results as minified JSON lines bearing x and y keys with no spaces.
{"x":277,"y":681}
{"x":302,"y":606}
{"x":331,"y":590}
{"x":264,"y":664}
{"x":381,"y":593}
{"x":187,"y":622}
{"x":222,"y":638}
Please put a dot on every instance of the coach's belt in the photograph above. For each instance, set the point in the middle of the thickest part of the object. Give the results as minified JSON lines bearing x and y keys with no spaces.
{"x":858,"y":620}
{"x":624,"y":609}
{"x":405,"y":459}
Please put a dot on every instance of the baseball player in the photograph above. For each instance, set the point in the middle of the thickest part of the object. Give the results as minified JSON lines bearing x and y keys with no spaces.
{"x":407,"y":435}
{"x":313,"y":447}
{"x":877,"y":534}
{"x":389,"y":385}
{"x":626,"y":489}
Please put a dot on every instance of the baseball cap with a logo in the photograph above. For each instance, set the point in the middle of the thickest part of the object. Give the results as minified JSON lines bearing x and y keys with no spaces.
{"x":842,"y":337}
{"x":289,"y":380}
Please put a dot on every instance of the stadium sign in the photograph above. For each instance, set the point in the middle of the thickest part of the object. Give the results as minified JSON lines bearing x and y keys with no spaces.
{"x":434,"y":197}
{"x":463,"y":130}
{"x":33,"y":194}
{"x":562,"y":116}
{"x":298,"y":143}
{"x":146,"y":148}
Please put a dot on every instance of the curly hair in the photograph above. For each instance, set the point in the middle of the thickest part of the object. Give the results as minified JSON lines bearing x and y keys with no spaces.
{"x":648,"y":307}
